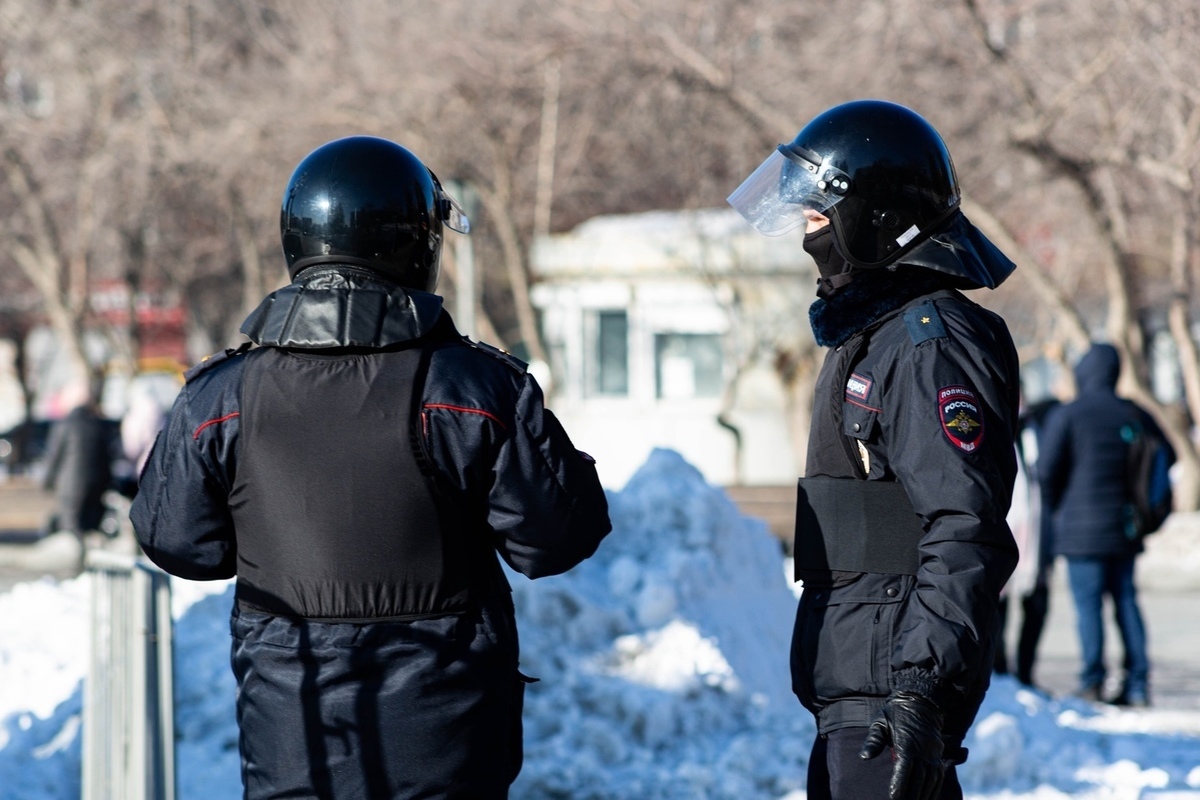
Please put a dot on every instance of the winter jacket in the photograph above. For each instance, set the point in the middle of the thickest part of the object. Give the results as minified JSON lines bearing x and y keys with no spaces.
{"x":919,"y":387}
{"x":1083,"y":457}
{"x":359,"y":471}
{"x":79,"y":469}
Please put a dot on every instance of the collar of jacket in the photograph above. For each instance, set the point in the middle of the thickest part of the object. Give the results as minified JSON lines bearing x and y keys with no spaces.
{"x":871,"y":296}
{"x":342,"y":306}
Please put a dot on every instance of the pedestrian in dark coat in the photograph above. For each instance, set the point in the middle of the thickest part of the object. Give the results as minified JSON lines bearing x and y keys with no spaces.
{"x":79,"y":468}
{"x":358,"y":471}
{"x":901,"y":538}
{"x":1084,"y":450}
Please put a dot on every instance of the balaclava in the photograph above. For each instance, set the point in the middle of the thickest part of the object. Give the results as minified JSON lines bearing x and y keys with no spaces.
{"x":833,"y":268}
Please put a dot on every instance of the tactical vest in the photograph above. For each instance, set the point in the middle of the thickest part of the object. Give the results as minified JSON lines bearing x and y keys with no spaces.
{"x":337,"y":513}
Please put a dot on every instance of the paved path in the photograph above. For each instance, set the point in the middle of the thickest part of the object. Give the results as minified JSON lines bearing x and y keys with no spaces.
{"x":1172,"y":617}
{"x":26,"y":553}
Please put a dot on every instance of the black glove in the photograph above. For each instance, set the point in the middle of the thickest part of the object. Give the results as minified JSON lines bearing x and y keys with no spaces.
{"x":912,"y":725}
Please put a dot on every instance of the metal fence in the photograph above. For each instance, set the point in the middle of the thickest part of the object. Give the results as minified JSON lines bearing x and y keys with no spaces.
{"x":128,"y":696}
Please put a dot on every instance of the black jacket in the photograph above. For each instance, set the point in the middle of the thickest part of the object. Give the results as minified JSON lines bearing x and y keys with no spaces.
{"x":920,"y":387}
{"x":79,"y":469}
{"x":358,"y":472}
{"x":1082,"y":462}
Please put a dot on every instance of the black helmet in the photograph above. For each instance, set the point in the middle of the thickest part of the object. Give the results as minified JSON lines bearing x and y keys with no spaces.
{"x":368,"y":202}
{"x":880,"y":172}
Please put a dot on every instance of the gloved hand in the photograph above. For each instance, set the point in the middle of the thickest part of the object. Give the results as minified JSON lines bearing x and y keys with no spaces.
{"x":912,"y":725}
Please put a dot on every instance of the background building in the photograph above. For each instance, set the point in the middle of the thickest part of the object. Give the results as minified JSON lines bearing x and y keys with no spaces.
{"x":665,"y":329}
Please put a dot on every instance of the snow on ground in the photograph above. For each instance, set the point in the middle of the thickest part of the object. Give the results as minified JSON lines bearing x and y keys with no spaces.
{"x":663,"y":674}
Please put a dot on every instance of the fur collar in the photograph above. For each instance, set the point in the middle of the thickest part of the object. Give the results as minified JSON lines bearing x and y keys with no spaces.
{"x":872,"y":295}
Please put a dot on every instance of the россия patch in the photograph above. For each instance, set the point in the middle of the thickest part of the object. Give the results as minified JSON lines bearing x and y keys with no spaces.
{"x":962,"y":417}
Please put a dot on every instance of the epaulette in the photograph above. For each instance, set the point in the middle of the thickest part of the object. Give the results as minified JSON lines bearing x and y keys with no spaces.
{"x":924,"y":323}
{"x":208,"y":362}
{"x":498,"y":354}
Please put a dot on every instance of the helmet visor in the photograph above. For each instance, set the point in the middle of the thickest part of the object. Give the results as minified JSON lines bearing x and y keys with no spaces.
{"x":775,"y":196}
{"x":452,"y":213}
{"x":449,"y":210}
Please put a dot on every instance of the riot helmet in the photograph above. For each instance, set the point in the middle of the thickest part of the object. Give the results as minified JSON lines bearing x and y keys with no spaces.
{"x":877,"y":170}
{"x":368,"y":202}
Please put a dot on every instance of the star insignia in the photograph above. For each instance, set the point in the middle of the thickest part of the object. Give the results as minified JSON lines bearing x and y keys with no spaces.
{"x":924,"y":320}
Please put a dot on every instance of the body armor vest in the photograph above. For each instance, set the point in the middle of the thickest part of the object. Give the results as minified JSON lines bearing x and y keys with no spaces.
{"x":336,"y":517}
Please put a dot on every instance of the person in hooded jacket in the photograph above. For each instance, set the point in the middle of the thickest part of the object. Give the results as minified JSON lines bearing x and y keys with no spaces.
{"x":901,"y":539}
{"x":358,"y":470}
{"x":1084,"y":449}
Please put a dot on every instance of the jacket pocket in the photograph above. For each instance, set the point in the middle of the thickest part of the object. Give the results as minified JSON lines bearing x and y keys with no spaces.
{"x":859,"y":422}
{"x":861,"y":425}
{"x":843,"y":639}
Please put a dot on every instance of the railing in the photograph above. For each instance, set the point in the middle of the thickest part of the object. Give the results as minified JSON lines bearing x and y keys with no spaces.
{"x":128,"y":695}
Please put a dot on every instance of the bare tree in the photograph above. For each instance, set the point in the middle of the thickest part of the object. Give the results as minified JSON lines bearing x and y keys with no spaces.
{"x":148,"y":143}
{"x":1118,"y":122}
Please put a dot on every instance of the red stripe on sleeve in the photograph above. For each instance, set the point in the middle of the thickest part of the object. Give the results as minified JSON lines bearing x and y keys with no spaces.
{"x":196,"y":434}
{"x":478,"y":411}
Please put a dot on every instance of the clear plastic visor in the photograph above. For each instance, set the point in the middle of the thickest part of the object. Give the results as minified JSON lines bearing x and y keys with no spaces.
{"x":775,"y":196}
{"x":450,"y":212}
{"x":453,"y":214}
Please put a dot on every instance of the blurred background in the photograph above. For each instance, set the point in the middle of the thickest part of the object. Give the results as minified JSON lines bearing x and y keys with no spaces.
{"x":144,"y":146}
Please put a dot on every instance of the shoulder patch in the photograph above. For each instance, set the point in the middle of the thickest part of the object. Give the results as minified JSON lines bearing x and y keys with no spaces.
{"x":924,"y":323}
{"x":962,"y":417}
{"x":858,"y":388}
{"x":210,"y":361}
{"x":498,"y":354}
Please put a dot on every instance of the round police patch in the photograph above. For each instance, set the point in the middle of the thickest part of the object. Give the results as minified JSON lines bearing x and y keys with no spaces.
{"x":962,"y":417}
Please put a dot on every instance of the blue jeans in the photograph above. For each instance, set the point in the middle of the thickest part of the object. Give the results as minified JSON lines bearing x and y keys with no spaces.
{"x":1091,"y":579}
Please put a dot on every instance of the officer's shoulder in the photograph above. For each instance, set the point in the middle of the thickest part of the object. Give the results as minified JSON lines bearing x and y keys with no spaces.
{"x":952,"y":317}
{"x":503,"y":356}
{"x":215,"y":359}
{"x":924,"y":322}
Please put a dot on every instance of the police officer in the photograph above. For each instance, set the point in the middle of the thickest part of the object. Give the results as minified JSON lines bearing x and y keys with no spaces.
{"x":901,"y":539}
{"x":358,"y":471}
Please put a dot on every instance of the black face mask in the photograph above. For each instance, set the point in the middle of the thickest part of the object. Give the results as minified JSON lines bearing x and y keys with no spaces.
{"x":834,"y":269}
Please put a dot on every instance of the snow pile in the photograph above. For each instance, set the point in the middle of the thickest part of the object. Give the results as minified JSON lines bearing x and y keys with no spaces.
{"x":46,"y":656}
{"x":663,"y":659}
{"x":206,"y":757}
{"x":43,"y":656}
{"x":1024,"y":744}
{"x":663,"y":674}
